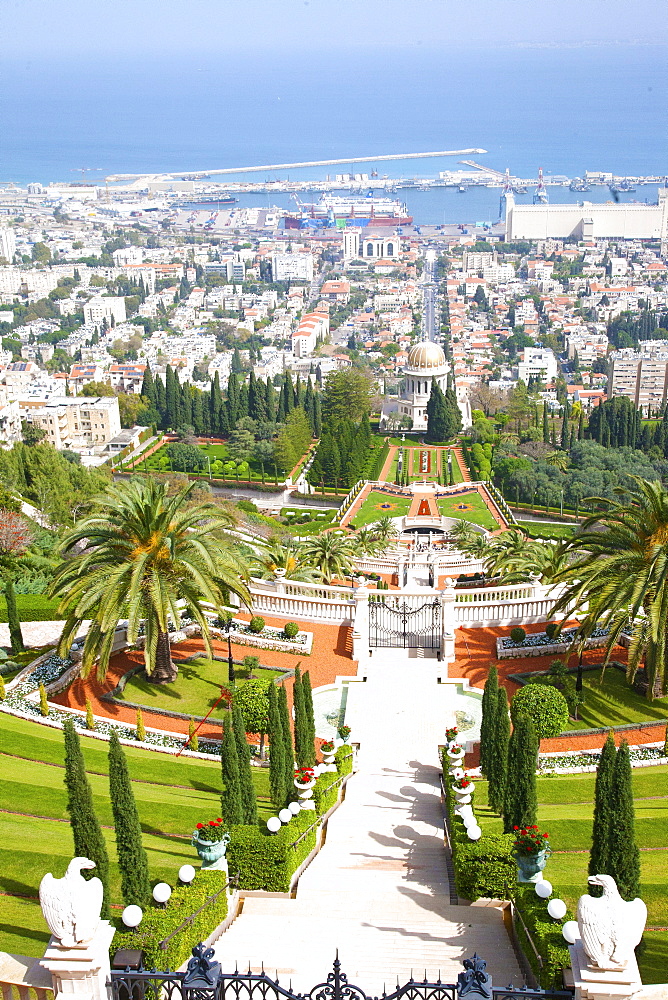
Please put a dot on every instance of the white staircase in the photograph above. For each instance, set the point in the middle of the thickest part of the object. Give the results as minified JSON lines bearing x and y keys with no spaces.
{"x":378,"y":891}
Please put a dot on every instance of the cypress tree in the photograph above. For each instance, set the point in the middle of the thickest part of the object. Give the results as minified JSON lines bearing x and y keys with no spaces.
{"x":231,"y":799}
{"x":277,"y":770}
{"x":301,"y":724}
{"x":546,"y":427}
{"x":246,"y":786}
{"x":288,"y":748}
{"x":519,"y":808}
{"x":488,"y":722}
{"x":86,"y":832}
{"x":132,"y":860}
{"x":599,"y":855}
{"x":498,"y":761}
{"x":310,"y":718}
{"x":624,"y":859}
{"x":564,"y":429}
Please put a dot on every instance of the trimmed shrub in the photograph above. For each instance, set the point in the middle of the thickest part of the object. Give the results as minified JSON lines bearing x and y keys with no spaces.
{"x":546,"y":707}
{"x":518,"y":634}
{"x":44,"y":704}
{"x":291,"y":629}
{"x":325,"y":792}
{"x":90,"y":718}
{"x":32,"y":608}
{"x":551,"y":629}
{"x":2,"y":688}
{"x":256,"y":624}
{"x":546,"y":935}
{"x":484,"y":868}
{"x":159,"y":922}
{"x":141,"y":731}
{"x":268,"y":861}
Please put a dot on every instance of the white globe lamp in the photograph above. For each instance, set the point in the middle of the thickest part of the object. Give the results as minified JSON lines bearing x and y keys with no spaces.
{"x":132,"y":916}
{"x":186,"y":874}
{"x":544,"y":889}
{"x":474,"y":832}
{"x":570,"y":931}
{"x":274,"y":824}
{"x":557,"y":909}
{"x":162,"y":892}
{"x":285,"y":815}
{"x":294,"y":808}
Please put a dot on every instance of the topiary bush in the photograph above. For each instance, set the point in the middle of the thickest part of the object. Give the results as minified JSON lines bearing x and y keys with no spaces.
{"x":551,"y":629}
{"x":290,"y":629}
{"x":159,"y":922}
{"x":256,"y":624}
{"x":546,"y":707}
{"x":518,"y":634}
{"x":268,"y":861}
{"x":546,"y":935}
{"x":484,"y":868}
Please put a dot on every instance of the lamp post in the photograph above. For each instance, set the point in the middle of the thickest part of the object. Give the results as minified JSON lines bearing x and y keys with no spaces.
{"x":228,"y":625}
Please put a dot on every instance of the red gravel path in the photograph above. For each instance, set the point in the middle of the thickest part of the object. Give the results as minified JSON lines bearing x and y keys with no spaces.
{"x":330,"y":656}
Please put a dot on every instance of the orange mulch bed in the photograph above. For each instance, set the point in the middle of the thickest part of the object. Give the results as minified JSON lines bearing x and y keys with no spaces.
{"x":331,"y":655}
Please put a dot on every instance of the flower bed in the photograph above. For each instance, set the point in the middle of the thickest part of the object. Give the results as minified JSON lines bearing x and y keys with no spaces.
{"x":541,"y":644}
{"x":270,"y":637}
{"x":587,"y":760}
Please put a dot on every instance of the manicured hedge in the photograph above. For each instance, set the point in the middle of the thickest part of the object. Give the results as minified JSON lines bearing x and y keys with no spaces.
{"x":546,"y":935}
{"x":483,"y":868}
{"x":31,"y":608}
{"x":266,"y":860}
{"x":344,"y":759}
{"x":159,"y":922}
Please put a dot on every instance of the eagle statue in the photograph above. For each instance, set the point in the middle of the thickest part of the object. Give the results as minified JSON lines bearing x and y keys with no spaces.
{"x":610,"y":927}
{"x":71,"y":905}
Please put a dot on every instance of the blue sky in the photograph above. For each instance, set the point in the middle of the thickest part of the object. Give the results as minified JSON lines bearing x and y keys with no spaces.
{"x":32,"y":27}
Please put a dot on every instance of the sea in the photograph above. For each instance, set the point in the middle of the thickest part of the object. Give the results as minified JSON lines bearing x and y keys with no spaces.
{"x":566,"y":110}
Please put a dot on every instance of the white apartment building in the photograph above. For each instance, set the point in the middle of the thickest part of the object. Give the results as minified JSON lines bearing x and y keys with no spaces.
{"x":128,"y":255}
{"x":102,"y":307}
{"x":537,"y":362}
{"x":589,"y":346}
{"x":477,"y":261}
{"x":642,"y":375}
{"x":288,"y":266}
{"x":74,"y":423}
{"x":7,"y":243}
{"x":313,"y":326}
{"x":372,"y":247}
{"x":10,"y":420}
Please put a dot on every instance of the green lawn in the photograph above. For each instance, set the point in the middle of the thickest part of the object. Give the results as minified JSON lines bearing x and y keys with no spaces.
{"x":614,"y":703}
{"x":412,"y":457}
{"x":172,"y":794}
{"x":195,"y":690}
{"x":566,"y":809}
{"x":553,"y":531}
{"x":477,"y":514}
{"x":374,"y":507}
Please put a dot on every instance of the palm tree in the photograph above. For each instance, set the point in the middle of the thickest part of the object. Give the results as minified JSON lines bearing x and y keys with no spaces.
{"x":385,"y":531}
{"x":619,"y":577}
{"x":283,"y":554}
{"x":147,"y":558}
{"x":331,"y":555}
{"x":367,"y":541}
{"x":558,"y":460}
{"x":517,"y":557}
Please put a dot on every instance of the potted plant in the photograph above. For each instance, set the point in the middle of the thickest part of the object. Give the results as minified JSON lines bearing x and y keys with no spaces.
{"x":328,"y":751}
{"x":462,"y":787}
{"x":455,"y":752}
{"x":210,"y":840}
{"x":304,"y":782}
{"x":531,"y":849}
{"x":451,"y":735}
{"x":344,"y":733}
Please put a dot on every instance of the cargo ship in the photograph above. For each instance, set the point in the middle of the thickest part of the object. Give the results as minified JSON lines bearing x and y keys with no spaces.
{"x":339,"y":212}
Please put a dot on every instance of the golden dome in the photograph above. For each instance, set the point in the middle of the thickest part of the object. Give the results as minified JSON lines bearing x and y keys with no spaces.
{"x":426,"y":355}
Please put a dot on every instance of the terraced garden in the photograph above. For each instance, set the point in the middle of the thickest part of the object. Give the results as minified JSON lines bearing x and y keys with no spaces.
{"x":468,"y":507}
{"x":172,"y":796}
{"x":565,"y":810}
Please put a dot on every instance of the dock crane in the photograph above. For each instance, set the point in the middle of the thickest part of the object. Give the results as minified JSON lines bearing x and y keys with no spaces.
{"x":540,"y":197}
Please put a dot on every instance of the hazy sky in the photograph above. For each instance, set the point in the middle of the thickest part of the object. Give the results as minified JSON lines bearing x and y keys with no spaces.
{"x":218,"y":26}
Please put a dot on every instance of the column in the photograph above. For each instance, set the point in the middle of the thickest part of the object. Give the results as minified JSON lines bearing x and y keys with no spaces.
{"x":361,"y":621}
{"x":447,"y":599}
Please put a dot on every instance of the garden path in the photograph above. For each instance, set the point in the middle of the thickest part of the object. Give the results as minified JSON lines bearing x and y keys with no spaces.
{"x":379,"y":889}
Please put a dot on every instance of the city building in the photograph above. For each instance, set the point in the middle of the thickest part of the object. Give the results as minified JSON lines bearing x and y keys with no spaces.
{"x":313,"y":326}
{"x":642,"y":375}
{"x":101,"y":307}
{"x":372,"y":247}
{"x":537,"y":362}
{"x":292,"y":266}
{"x":7,"y":243}
{"x":426,"y":362}
{"x":74,"y":423}
{"x":336,"y":291}
{"x":587,"y":221}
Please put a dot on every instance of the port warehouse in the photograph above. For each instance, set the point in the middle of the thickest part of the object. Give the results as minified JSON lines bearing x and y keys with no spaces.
{"x":587,"y":221}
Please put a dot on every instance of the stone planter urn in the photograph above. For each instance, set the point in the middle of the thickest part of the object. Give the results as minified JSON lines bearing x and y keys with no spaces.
{"x":530,"y":866}
{"x":305,"y":793}
{"x":328,"y":759}
{"x":211,"y":852}
{"x":456,"y":756}
{"x":462,"y":793}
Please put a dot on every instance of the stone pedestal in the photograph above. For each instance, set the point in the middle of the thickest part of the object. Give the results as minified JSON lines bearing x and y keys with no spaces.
{"x":447,"y":598}
{"x":592,"y":983}
{"x":81,"y":971}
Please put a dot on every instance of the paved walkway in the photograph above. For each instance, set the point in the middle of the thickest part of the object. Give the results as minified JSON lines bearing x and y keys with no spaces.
{"x":378,"y":890}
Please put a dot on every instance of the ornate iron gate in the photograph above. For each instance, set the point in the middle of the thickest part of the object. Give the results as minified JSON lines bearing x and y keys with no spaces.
{"x":401,"y":626}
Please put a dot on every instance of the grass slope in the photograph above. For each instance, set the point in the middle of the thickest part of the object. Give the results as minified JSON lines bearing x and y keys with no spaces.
{"x":566,"y":811}
{"x":172,"y":795}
